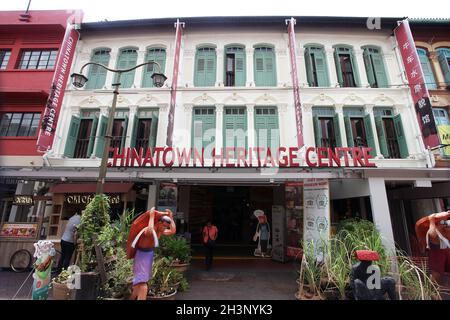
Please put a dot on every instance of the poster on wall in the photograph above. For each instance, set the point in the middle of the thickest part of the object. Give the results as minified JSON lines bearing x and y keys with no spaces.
{"x":278,"y":235}
{"x":19,"y":230}
{"x":444,"y":136}
{"x":167,"y":198}
{"x":294,"y":218}
{"x":316,"y":199}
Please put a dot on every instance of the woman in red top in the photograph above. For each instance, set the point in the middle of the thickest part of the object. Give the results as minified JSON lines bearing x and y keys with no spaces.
{"x":210,"y":233}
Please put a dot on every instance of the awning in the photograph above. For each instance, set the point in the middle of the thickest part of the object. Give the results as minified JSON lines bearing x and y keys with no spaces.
{"x":109,"y":187}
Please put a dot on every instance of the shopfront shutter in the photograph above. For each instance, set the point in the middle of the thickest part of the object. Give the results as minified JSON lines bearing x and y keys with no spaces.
{"x":92,"y":136}
{"x":72,"y":137}
{"x":153,"y":129}
{"x":124,"y":133}
{"x":401,"y":139}
{"x":443,"y":56}
{"x":134,"y":132}
{"x":369,"y":134}
{"x":355,"y":68}
{"x":348,"y":131}
{"x":308,"y":65}
{"x":240,"y":68}
{"x":337,"y":130}
{"x":380,"y":70}
{"x":337,"y":62}
{"x":381,"y":133}
{"x":317,"y":131}
{"x":103,"y":124}
{"x":369,"y":68}
{"x":321,"y":68}
{"x":426,"y":68}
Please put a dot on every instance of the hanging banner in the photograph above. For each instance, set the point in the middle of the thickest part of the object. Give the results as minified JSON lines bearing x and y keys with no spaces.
{"x":173,"y":91}
{"x":444,"y":136}
{"x":297,"y":104}
{"x":416,"y":80}
{"x":316,"y":218}
{"x":56,"y":95}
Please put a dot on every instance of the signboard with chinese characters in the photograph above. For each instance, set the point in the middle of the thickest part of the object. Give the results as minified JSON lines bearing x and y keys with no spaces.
{"x":417,"y":86}
{"x":19,"y":230}
{"x":316,"y":217}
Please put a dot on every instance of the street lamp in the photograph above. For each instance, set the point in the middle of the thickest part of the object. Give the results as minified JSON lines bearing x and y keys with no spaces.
{"x":79,"y":80}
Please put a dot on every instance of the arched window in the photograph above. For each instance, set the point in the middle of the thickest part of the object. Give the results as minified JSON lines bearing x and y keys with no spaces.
{"x":316,"y":66}
{"x":375,"y":69}
{"x":127,"y":59}
{"x":426,"y":67}
{"x":96,"y":74}
{"x":444,"y":61}
{"x":346,"y":66}
{"x":234,"y":74}
{"x":153,"y":54}
{"x":264,"y":66}
{"x":205,"y":67}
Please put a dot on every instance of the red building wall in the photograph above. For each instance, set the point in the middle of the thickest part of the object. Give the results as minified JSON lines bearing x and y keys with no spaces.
{"x":27,"y":90}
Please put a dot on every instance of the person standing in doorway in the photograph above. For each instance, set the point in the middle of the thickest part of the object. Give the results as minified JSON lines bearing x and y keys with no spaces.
{"x":210,"y":234}
{"x":68,"y":242}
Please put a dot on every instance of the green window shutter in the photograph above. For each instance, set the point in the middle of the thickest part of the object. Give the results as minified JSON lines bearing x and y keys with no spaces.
{"x":369,"y":68}
{"x":103,"y":124}
{"x":153,"y":129}
{"x":321,"y":68}
{"x":267,"y":130}
{"x":369,"y":134}
{"x":205,"y":68}
{"x":127,"y":59}
{"x":443,"y":56}
{"x":348,"y":131}
{"x":235,"y":127}
{"x":273,"y":132}
{"x":261,"y":131}
{"x":337,"y":130}
{"x":265,"y":69}
{"x":259,"y":69}
{"x":426,"y":68}
{"x":270,"y":69}
{"x":317,"y":131}
{"x":380,"y":70}
{"x":309,"y":67}
{"x":337,"y":62}
{"x":381,"y":136}
{"x":401,"y":139}
{"x":96,"y":74}
{"x":92,"y":136}
{"x":72,"y":137}
{"x":124,"y":135}
{"x":240,"y":69}
{"x":134,"y":132}
{"x":355,"y":68}
{"x":154,"y":54}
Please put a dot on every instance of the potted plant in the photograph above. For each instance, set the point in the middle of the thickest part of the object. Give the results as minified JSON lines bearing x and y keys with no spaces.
{"x":60,"y":289}
{"x":119,"y":277}
{"x":163,"y":284}
{"x":178,"y":250}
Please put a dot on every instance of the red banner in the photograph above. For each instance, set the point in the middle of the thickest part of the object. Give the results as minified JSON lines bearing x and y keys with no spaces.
{"x":56,"y":95}
{"x":173,"y":91}
{"x":416,"y":80}
{"x":297,"y":104}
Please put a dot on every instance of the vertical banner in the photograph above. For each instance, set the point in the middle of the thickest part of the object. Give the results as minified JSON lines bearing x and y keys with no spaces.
{"x":416,"y":80}
{"x":297,"y":104}
{"x":316,"y":199}
{"x":56,"y":95}
{"x":173,"y":90}
{"x":294,"y":218}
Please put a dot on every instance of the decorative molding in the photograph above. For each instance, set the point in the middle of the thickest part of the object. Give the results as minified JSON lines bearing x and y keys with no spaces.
{"x":369,"y":108}
{"x":282,"y":107}
{"x":163,"y":107}
{"x":188,"y":107}
{"x":307,"y":107}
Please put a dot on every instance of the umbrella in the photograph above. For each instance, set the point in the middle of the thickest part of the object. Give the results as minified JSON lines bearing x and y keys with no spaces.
{"x":423,"y":224}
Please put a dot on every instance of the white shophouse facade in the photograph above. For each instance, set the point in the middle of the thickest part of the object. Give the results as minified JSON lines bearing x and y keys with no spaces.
{"x":334,"y":102}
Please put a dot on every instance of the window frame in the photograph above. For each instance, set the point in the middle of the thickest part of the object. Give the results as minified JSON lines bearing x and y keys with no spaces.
{"x":23,"y":51}
{"x":7,"y":54}
{"x":34,"y":114}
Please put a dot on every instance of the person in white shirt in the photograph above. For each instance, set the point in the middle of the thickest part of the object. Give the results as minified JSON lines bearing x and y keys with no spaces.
{"x":68,"y":242}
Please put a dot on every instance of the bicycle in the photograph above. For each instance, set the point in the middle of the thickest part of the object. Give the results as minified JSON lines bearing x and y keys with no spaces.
{"x":22,"y":260}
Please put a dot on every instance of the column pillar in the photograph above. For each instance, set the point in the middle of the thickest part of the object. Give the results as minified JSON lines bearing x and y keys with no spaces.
{"x":440,"y":79}
{"x":329,"y":52}
{"x":162,"y":124}
{"x":368,"y":108}
{"x":251,"y":125}
{"x":284,"y":126}
{"x":139,"y":72}
{"x":188,"y":109}
{"x":308,"y":130}
{"x":249,"y":63}
{"x":152,"y":193}
{"x":219,"y":67}
{"x":339,"y":108}
{"x":364,"y":82}
{"x":380,"y":212}
{"x":112,"y":64}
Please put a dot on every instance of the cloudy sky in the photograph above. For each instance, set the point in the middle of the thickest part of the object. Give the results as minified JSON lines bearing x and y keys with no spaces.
{"x":96,"y":10}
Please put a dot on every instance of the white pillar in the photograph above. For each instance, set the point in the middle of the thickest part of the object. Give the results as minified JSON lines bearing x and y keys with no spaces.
{"x":251,"y":125}
{"x":308,"y":130}
{"x":339,"y":108}
{"x":329,"y":51}
{"x":380,"y":212}
{"x":368,"y":108}
{"x":131,"y":124}
{"x":249,"y":62}
{"x":152,"y":193}
{"x":110,"y":76}
{"x":219,"y":67}
{"x":139,"y":72}
{"x":219,"y":126}
{"x":162,"y":124}
{"x":364,"y":82}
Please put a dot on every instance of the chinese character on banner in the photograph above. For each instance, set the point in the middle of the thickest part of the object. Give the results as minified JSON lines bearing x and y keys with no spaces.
{"x":416,"y":80}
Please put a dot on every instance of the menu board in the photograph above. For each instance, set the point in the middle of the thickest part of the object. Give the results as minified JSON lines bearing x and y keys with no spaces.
{"x":19,"y":230}
{"x":294,"y":218}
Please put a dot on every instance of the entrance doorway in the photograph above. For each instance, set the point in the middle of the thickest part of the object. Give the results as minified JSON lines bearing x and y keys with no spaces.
{"x":231,"y":210}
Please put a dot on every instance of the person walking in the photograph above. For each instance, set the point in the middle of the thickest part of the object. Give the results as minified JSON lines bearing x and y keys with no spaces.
{"x":210,"y":234}
{"x":68,"y":242}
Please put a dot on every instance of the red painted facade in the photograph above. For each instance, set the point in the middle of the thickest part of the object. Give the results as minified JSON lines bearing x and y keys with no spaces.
{"x":27,"y":90}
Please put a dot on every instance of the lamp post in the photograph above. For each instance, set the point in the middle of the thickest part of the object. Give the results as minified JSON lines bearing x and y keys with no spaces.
{"x":79,"y":80}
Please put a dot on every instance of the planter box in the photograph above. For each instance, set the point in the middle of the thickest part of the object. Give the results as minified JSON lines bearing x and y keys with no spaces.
{"x":180,"y":267}
{"x":60,"y":291}
{"x":90,"y":284}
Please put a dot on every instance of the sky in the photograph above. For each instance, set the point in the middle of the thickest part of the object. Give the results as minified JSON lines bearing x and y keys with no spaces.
{"x":98,"y":10}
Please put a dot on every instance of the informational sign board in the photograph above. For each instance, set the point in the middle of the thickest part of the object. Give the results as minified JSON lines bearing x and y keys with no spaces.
{"x":168,"y":195}
{"x":316,"y":199}
{"x":294,"y":218}
{"x":444,"y":136}
{"x":278,"y":234}
{"x":19,"y":230}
